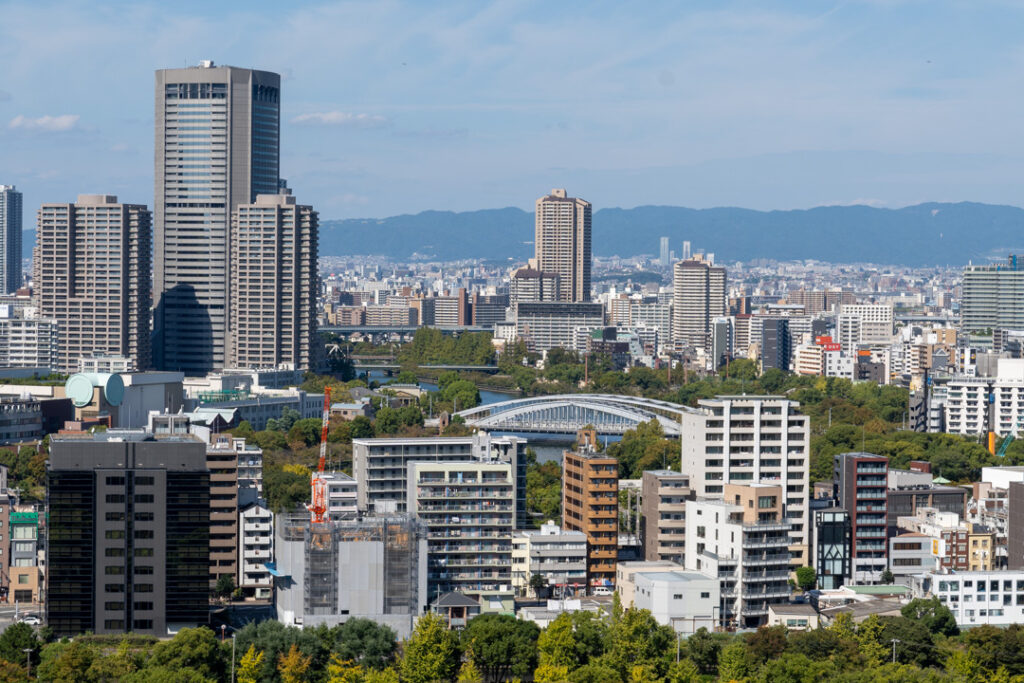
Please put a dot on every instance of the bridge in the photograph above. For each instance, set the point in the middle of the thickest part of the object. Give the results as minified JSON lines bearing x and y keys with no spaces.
{"x":362,"y":366}
{"x":345,"y":330}
{"x":567,"y":413}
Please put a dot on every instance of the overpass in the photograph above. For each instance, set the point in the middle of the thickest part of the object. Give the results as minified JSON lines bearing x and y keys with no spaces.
{"x":567,"y":413}
{"x":394,"y":367}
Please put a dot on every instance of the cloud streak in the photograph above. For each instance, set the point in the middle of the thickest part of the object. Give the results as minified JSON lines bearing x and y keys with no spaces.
{"x":44,"y":123}
{"x":341,"y":118}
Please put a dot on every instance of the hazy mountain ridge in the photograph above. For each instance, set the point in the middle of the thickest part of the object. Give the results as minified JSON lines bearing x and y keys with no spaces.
{"x":931,"y":233}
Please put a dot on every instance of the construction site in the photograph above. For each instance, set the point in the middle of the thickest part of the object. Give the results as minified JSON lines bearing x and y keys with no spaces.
{"x":330,"y":572}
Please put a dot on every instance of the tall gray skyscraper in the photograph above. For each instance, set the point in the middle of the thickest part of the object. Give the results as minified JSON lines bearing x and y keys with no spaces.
{"x":10,"y":239}
{"x":664,"y":252}
{"x":91,"y":267}
{"x":217,"y":146}
{"x":562,"y":243}
{"x":699,"y":292}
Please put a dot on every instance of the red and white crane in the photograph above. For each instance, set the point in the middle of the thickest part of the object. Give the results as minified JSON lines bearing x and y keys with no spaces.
{"x":318,"y":506}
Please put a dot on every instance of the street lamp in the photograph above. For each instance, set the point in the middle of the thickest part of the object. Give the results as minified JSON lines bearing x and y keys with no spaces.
{"x":28,"y":660}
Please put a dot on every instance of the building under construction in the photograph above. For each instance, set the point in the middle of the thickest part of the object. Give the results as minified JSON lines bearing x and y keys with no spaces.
{"x":328,"y":573}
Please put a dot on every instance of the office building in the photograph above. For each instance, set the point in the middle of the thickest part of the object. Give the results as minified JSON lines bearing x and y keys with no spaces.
{"x":128,"y":541}
{"x":993,"y":296}
{"x":723,"y":340}
{"x":562,"y":243}
{"x":469,"y":512}
{"x":488,"y":309}
{"x":545,"y":326}
{"x":380,"y":466}
{"x":742,"y":538}
{"x":861,"y":489}
{"x":750,"y":439}
{"x":358,"y":568}
{"x":91,"y":266}
{"x":10,"y":239}
{"x":530,"y":284}
{"x":699,"y":291}
{"x":559,"y":556}
{"x":590,"y":503}
{"x":21,"y":420}
{"x":663,"y":253}
{"x":217,"y":147}
{"x":864,"y":325}
{"x":684,"y":601}
{"x":663,"y":514}
{"x":775,"y":348}
{"x":274,"y":284}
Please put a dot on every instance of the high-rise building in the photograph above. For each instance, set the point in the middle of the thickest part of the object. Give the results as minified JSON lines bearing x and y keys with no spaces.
{"x":562,"y":243}
{"x":590,"y":503}
{"x":663,"y":517}
{"x":751,"y":439}
{"x":274,"y":284}
{"x":529,"y":284}
{"x":864,"y":325}
{"x":10,"y":239}
{"x":663,"y":257}
{"x":129,"y":534}
{"x":548,"y":325}
{"x":775,"y":343}
{"x":698,"y":298}
{"x":993,"y":296}
{"x":861,"y":481}
{"x":91,"y":268}
{"x":217,"y":147}
{"x":686,"y":250}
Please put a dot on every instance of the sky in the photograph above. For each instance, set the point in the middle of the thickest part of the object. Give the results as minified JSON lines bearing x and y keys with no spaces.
{"x":398,"y":107}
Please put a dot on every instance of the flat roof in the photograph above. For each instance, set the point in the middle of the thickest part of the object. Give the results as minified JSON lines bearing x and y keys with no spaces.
{"x":675,"y":577}
{"x":794,"y":608}
{"x":879,"y":590}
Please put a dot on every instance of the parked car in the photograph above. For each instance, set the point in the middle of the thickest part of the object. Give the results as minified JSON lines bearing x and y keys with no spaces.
{"x":31,"y":620}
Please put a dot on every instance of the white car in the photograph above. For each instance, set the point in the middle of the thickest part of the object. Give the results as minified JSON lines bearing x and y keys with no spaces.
{"x":602,"y":590}
{"x":31,"y":620}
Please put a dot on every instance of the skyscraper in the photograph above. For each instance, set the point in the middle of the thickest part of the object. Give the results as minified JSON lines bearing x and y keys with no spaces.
{"x":664,"y":253}
{"x":993,"y":296}
{"x":274,"y":283}
{"x":91,"y":274}
{"x":562,"y":243}
{"x":10,"y":239}
{"x":217,"y":146}
{"x":698,"y":298}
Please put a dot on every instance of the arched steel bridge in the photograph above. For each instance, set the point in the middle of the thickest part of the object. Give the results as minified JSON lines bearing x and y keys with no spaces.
{"x":567,"y":413}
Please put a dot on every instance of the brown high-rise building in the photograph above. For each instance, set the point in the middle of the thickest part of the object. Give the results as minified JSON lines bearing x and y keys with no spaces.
{"x":698,"y":292}
{"x":663,"y":495}
{"x":274,"y":283}
{"x":91,"y":267}
{"x":562,"y":243}
{"x":590,"y":503}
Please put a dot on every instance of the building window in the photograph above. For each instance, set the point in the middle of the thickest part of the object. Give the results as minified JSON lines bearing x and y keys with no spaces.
{"x":113,"y":606}
{"x":143,"y":570}
{"x":115,"y":499}
{"x":143,"y":624}
{"x":144,"y":498}
{"x":114,"y":624}
{"x":114,"y":533}
{"x":113,"y":570}
{"x":143,"y":481}
{"x":23,"y":532}
{"x":23,"y":579}
{"x":114,"y":552}
{"x":705,"y":595}
{"x":115,"y":481}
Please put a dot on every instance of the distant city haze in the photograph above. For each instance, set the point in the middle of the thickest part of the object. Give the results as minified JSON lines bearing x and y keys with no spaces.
{"x":391,"y":108}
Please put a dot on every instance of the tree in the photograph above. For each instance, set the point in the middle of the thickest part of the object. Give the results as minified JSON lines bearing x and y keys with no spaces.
{"x":502,"y":645}
{"x":806,"y":578}
{"x":68,"y":664}
{"x":365,"y":642}
{"x":17,"y":638}
{"x":430,"y":653}
{"x":683,"y":671}
{"x":191,"y":648}
{"x":887,"y":577}
{"x":468,"y":673}
{"x":868,"y":634}
{"x":638,"y":639}
{"x":767,"y":642}
{"x":293,"y":666}
{"x":114,"y":667}
{"x":595,"y":673}
{"x":251,"y":666}
{"x":341,"y":670}
{"x":225,"y":585}
{"x":538,"y":582}
{"x":734,"y":662}
{"x":916,"y":645}
{"x":964,"y":668}
{"x":703,"y":649}
{"x":556,"y":646}
{"x":306,"y":431}
{"x":362,"y":427}
{"x":842,"y":625}
{"x":933,"y":614}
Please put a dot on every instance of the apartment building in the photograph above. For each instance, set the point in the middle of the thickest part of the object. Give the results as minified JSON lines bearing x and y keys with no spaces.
{"x":912,"y":553}
{"x":663,"y":514}
{"x":342,"y":496}
{"x":742,"y":538}
{"x":380,"y":466}
{"x":91,"y":274}
{"x":255,"y":550}
{"x":558,"y":555}
{"x":469,"y":512}
{"x":833,"y":547}
{"x":752,"y":439}
{"x":274,"y":284}
{"x":699,"y":293}
{"x":993,"y":296}
{"x":562,"y":243}
{"x":864,"y":325}
{"x":530,"y":284}
{"x":590,"y":503}
{"x":861,"y":490}
{"x":994,"y":598}
{"x":27,"y":341}
{"x":21,"y":420}
{"x":976,"y":405}
{"x":548,"y":325}
{"x":128,"y":542}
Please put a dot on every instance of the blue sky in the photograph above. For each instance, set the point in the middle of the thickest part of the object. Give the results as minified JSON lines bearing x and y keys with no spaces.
{"x":397,"y":107}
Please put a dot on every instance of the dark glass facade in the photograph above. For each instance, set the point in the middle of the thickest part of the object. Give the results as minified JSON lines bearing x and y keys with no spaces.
{"x":70,"y":552}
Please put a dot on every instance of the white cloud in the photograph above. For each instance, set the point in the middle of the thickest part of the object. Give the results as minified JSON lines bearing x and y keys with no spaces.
{"x":47,"y":123}
{"x":342,"y":118}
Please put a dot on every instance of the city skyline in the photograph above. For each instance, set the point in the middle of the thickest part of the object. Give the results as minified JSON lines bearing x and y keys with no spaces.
{"x":877,"y":103}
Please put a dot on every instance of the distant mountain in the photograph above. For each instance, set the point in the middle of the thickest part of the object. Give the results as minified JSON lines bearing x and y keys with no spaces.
{"x":924,"y":234}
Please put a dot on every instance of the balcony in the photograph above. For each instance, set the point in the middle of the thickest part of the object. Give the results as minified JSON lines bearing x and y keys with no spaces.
{"x":766,"y":595}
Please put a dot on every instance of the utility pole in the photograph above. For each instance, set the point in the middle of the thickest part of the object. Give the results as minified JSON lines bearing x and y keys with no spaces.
{"x":894,"y":641}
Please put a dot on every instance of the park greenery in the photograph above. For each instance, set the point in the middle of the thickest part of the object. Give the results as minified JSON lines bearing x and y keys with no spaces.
{"x":616,"y":646}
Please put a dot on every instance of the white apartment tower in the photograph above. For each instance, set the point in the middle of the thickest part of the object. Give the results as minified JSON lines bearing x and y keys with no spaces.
{"x":91,"y":268}
{"x":274,"y":284}
{"x":864,"y":325}
{"x":562,"y":243}
{"x":10,"y":239}
{"x":217,"y":146}
{"x":699,"y":291}
{"x":752,"y":440}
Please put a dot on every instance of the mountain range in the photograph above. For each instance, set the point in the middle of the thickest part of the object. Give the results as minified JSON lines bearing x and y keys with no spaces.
{"x":924,"y":234}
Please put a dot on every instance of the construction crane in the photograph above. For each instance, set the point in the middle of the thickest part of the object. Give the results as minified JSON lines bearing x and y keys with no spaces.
{"x":318,"y":506}
{"x":1006,"y":444}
